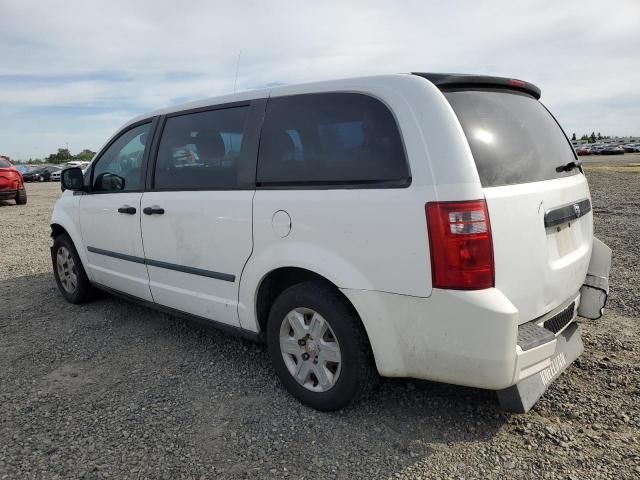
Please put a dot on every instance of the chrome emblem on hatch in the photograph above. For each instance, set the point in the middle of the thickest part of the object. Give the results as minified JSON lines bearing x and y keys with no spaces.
{"x":576,"y":209}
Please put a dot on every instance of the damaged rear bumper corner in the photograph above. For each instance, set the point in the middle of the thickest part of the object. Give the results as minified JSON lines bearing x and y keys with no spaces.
{"x":595,"y":290}
{"x":536,"y":342}
{"x":520,"y":397}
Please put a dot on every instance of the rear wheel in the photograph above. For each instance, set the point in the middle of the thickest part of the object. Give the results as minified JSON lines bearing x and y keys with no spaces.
{"x":21,"y":197}
{"x":318,"y":346}
{"x":67,"y":268}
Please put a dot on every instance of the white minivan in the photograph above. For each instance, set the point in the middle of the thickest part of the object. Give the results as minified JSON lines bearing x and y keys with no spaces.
{"x":433,"y":226}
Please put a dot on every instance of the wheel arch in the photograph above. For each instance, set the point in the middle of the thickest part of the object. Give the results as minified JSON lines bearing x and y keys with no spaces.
{"x":57,"y":230}
{"x":59,"y":227}
{"x":274,"y":282}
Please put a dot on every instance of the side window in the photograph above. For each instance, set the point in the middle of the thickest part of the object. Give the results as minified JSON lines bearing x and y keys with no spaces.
{"x":201,"y":151}
{"x":330,"y":139}
{"x":119,"y":169}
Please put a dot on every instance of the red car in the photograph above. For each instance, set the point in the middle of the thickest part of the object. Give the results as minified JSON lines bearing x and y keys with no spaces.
{"x":11,"y":183}
{"x":583,"y":151}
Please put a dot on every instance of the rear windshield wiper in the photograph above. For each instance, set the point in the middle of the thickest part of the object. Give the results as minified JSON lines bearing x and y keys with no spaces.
{"x":567,"y":167}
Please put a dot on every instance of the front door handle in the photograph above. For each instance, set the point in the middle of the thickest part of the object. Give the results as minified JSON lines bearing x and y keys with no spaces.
{"x":128,"y":209}
{"x":154,"y":210}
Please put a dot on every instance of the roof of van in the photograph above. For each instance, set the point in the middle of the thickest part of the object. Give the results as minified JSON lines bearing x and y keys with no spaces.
{"x":443,"y":81}
{"x":247,"y":95}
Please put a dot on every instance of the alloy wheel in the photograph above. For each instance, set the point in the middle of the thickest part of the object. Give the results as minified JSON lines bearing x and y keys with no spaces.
{"x":66,"y":269}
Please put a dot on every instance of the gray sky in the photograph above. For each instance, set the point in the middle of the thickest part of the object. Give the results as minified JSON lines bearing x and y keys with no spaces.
{"x":74,"y":71}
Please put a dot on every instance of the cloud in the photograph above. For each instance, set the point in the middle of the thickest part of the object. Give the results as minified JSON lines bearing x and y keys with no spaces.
{"x":73,"y":71}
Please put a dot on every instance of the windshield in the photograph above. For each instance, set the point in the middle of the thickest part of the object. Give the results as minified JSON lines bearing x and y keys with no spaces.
{"x":513,"y":138}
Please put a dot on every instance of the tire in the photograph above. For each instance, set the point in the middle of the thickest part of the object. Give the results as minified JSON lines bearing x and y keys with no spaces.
{"x":75,"y":288}
{"x":345,"y":381}
{"x":41,"y":178}
{"x":21,"y":197}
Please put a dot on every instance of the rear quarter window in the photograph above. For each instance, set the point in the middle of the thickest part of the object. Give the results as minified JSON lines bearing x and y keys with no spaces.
{"x":513,"y":137}
{"x":330,"y":139}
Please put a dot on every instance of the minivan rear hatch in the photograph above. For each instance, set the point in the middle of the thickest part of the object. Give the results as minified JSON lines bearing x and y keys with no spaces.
{"x":537,"y":197}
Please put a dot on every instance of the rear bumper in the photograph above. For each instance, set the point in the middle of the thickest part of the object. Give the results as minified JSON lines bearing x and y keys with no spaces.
{"x":460,"y":337}
{"x":522,"y":396}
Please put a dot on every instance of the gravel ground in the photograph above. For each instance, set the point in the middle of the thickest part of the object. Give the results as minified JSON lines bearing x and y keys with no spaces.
{"x":115,"y":390}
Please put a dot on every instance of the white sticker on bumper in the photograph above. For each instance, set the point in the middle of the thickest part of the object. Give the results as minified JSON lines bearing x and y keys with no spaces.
{"x":558,"y":364}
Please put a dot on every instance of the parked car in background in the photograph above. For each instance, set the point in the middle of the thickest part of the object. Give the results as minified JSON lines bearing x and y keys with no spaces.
{"x":11,"y":183}
{"x":40,"y":174}
{"x":55,"y":176}
{"x":612,"y":150}
{"x":77,"y":163}
{"x":22,"y":168}
{"x":631,"y":147}
{"x":583,"y":151}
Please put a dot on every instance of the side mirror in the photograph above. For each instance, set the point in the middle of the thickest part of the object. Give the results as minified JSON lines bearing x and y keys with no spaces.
{"x":72,"y":179}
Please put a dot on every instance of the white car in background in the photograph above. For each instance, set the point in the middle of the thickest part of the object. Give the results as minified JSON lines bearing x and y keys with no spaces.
{"x":631,"y":147}
{"x":402,"y":225}
{"x":55,"y":176}
{"x":77,"y":163}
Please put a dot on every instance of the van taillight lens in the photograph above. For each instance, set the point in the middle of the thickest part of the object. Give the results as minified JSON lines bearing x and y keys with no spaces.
{"x":461,"y":246}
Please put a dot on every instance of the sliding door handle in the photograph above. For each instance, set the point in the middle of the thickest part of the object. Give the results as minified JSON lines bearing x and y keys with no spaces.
{"x":154,"y":210}
{"x":128,"y":209}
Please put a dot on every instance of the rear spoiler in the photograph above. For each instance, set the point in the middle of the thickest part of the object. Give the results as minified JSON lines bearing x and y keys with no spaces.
{"x":447,"y":81}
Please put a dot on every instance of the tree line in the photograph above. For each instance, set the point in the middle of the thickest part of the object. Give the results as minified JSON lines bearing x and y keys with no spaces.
{"x":63,"y":155}
{"x":591,"y":138}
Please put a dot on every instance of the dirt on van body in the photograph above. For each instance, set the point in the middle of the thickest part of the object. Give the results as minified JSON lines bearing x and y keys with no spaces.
{"x":115,"y":390}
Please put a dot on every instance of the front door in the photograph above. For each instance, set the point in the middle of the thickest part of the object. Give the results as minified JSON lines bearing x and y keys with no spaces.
{"x":110,"y":215}
{"x":197,"y":217}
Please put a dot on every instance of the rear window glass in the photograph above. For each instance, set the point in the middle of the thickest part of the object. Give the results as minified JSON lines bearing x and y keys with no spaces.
{"x":4,"y":163}
{"x":513,"y":138}
{"x":330,"y":139}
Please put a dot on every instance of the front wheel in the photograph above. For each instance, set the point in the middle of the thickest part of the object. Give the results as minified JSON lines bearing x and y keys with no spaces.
{"x":67,"y":268}
{"x":319,"y":347}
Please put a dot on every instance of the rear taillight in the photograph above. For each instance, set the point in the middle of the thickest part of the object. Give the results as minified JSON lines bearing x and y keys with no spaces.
{"x":461,"y":246}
